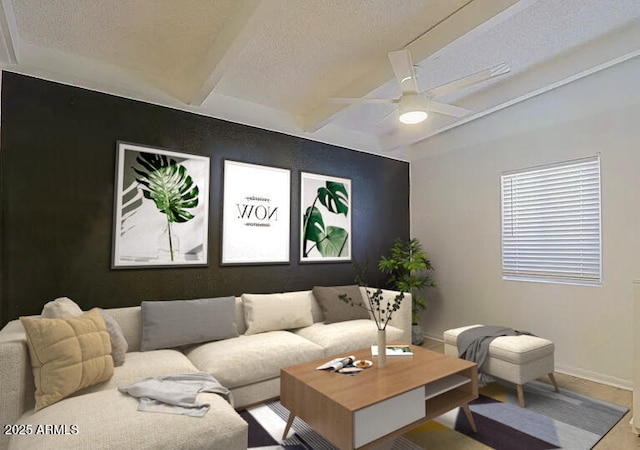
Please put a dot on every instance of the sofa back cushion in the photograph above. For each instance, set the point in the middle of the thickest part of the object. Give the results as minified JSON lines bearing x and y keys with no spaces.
{"x":281,"y":311}
{"x":316,"y":312}
{"x":336,"y":310}
{"x":130,"y":320}
{"x":242,"y":327}
{"x":169,"y":324}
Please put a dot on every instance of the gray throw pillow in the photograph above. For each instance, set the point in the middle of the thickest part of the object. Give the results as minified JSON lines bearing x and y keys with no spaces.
{"x":119,"y":345}
{"x":334,"y":309}
{"x":169,"y":324}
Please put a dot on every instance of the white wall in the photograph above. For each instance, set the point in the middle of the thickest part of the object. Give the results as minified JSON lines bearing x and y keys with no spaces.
{"x":455,"y":207}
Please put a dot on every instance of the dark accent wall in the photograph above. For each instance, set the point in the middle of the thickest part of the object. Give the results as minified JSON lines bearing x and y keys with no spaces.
{"x":57,"y":168}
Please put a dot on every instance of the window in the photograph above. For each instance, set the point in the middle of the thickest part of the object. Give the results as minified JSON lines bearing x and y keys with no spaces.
{"x":551,"y":223}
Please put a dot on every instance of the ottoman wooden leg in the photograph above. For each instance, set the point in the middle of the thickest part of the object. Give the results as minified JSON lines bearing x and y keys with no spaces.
{"x":553,"y":381}
{"x":520,"y":395}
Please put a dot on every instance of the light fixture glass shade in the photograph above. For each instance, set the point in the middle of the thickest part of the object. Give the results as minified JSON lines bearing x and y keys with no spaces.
{"x":413,"y":117}
{"x":412,"y":109}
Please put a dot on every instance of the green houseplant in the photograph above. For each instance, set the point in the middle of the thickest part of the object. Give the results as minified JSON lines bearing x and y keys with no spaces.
{"x":406,"y":267}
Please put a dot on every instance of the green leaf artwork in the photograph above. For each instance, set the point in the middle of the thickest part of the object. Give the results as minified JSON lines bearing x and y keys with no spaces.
{"x":328,"y":240}
{"x":171,"y":188}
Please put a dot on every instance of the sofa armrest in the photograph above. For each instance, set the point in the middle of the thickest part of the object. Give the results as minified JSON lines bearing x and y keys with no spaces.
{"x":16,"y":377}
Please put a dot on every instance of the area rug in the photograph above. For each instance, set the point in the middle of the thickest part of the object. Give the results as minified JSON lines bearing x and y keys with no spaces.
{"x":551,"y":420}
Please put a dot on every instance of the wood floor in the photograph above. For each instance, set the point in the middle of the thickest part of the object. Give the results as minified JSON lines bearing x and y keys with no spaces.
{"x":620,"y":437}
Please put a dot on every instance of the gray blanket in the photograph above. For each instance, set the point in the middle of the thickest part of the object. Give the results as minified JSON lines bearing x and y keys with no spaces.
{"x":176,"y":394}
{"x":473,"y":344}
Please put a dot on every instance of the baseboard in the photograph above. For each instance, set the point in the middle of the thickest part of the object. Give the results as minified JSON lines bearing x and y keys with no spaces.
{"x":597,"y":377}
{"x":574,"y":372}
{"x":438,"y":338}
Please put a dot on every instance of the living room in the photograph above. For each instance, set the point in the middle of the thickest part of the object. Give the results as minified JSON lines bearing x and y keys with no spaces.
{"x":58,"y":167}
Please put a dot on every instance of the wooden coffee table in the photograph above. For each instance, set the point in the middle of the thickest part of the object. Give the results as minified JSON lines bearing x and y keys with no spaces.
{"x":363,"y":410}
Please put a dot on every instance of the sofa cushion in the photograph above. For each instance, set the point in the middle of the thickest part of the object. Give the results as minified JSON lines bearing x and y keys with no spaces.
{"x":520,"y":349}
{"x":140,"y":365}
{"x":282,"y":311}
{"x":130,"y":320}
{"x":249,"y":359}
{"x":343,"y":337}
{"x":61,"y":308}
{"x":334,"y":309}
{"x":109,"y":419}
{"x":169,"y":324}
{"x":67,"y":355}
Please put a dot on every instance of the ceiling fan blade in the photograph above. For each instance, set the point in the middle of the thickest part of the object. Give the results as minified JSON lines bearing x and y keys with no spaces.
{"x":403,"y":69}
{"x":477,"y":77}
{"x":362,"y":100}
{"x":447,"y":109}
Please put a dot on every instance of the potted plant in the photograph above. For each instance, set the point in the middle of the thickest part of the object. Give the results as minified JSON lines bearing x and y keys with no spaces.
{"x":406,"y":268}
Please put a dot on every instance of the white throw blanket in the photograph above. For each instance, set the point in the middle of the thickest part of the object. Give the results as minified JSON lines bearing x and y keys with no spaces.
{"x":176,"y":394}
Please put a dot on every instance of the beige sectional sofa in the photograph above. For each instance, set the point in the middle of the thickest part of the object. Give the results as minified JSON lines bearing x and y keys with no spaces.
{"x":248,"y":364}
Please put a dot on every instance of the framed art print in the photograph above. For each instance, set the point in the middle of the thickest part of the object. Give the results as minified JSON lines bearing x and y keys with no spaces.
{"x":161,"y":214}
{"x":325,"y":218}
{"x":256,"y":214}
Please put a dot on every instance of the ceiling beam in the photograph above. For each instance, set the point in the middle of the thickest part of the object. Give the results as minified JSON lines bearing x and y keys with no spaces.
{"x":475,"y":18}
{"x":459,"y":24}
{"x":8,"y":30}
{"x":236,"y":33}
{"x":587,"y":59}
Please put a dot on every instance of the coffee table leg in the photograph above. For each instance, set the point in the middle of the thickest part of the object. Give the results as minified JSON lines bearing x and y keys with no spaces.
{"x":467,"y":412}
{"x":289,"y":423}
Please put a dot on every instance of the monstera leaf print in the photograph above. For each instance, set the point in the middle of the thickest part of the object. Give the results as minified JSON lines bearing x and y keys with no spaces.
{"x":314,"y":224}
{"x":329,"y":241}
{"x":334,"y":197}
{"x":172,"y":190}
{"x":334,"y":242}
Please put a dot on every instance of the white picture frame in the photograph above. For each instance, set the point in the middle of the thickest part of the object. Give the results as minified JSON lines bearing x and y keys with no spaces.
{"x":325,"y":236}
{"x":256,"y":214}
{"x":145,"y":235}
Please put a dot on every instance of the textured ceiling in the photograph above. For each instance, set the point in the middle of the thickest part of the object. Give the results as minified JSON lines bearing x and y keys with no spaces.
{"x":275,"y":63}
{"x":327,"y":48}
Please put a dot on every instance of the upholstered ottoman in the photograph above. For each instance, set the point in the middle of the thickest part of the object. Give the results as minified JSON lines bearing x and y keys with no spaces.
{"x":518,"y":359}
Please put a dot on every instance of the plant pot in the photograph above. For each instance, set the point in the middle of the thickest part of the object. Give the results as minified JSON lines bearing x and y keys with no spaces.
{"x":417,"y":337}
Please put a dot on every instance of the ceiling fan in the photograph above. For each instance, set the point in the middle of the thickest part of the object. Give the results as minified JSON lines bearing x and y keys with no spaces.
{"x":413,"y":105}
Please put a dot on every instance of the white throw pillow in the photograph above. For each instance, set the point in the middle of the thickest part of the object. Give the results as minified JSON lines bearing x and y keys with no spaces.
{"x":282,"y":311}
{"x":61,"y":308}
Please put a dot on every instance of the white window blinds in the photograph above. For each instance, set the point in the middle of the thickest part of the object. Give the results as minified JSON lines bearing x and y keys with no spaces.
{"x":551,"y":223}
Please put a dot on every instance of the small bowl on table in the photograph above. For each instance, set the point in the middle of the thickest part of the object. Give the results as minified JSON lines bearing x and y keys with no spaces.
{"x":362,"y":363}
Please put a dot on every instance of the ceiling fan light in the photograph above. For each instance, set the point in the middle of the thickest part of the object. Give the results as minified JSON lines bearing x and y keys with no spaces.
{"x":412,"y":109}
{"x":413,"y":117}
